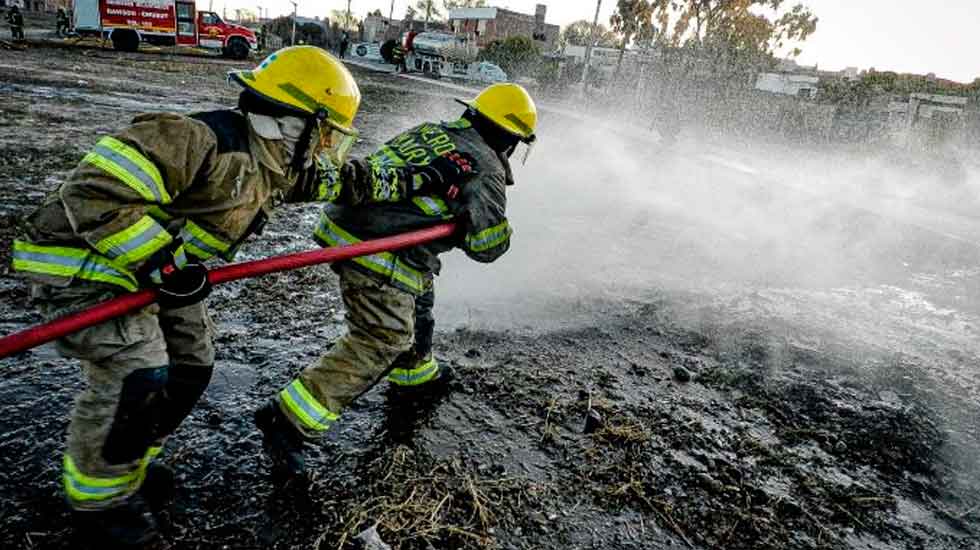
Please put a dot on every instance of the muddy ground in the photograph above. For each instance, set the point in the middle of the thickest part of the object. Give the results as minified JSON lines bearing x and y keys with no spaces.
{"x":741,"y":408}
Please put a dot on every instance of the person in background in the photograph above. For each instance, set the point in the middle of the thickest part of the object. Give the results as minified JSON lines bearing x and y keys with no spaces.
{"x":344,"y":44}
{"x":16,"y":21}
{"x":61,"y":23}
{"x":398,"y":56}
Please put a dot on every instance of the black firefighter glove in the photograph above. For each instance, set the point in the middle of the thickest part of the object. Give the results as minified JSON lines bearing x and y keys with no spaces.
{"x":443,"y":175}
{"x":179,"y":282}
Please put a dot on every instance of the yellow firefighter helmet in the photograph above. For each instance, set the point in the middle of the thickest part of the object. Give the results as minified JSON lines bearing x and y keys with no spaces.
{"x":508,"y":106}
{"x":308,"y":80}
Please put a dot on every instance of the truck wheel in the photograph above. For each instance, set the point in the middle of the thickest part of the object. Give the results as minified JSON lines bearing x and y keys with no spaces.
{"x":124,"y":40}
{"x":237,"y":48}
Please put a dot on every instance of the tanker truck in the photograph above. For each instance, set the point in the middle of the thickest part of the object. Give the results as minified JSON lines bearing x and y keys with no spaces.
{"x":445,"y":55}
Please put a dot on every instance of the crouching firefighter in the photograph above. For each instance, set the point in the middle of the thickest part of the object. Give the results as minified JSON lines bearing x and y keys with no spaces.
{"x":389,"y":296}
{"x":144,"y":209}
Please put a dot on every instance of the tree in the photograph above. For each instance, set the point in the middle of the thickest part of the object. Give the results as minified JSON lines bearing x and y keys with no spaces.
{"x":973,"y":90}
{"x":517,"y":55}
{"x":630,"y":16}
{"x":763,"y":25}
{"x":245,"y":14}
{"x":410,"y":13}
{"x":376,"y":13}
{"x":848,"y":94}
{"x":728,"y":41}
{"x":579,"y":33}
{"x":429,"y":8}
{"x":710,"y":50}
{"x":344,"y":20}
{"x":307,"y":33}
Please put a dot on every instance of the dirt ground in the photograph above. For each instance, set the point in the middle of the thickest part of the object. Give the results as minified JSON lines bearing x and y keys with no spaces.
{"x":756,"y":415}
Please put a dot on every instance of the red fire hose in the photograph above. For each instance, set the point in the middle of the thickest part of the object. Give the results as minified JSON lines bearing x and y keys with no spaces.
{"x":42,"y":334}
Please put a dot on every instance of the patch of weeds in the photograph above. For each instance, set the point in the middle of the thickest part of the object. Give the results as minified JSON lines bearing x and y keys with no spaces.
{"x":623,"y":431}
{"x":417,"y":502}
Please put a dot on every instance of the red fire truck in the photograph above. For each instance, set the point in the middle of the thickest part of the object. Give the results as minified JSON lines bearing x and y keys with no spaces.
{"x":162,"y":22}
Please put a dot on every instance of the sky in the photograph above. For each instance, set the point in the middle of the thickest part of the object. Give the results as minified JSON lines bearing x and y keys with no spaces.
{"x":938,"y":36}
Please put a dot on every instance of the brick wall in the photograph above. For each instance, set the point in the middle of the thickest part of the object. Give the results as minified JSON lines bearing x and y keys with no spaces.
{"x":33,"y":6}
{"x":509,"y":23}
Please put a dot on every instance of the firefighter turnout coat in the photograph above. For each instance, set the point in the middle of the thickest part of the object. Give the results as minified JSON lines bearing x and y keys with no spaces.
{"x":205,"y":178}
{"x":484,"y":233}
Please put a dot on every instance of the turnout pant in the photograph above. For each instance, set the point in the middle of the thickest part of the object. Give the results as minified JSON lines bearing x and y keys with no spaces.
{"x":144,"y":372}
{"x":388,"y":331}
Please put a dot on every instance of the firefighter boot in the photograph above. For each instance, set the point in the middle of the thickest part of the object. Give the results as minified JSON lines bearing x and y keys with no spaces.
{"x":415,"y":389}
{"x":281,"y":441}
{"x":415,"y":377}
{"x":128,"y":525}
{"x":159,"y":490}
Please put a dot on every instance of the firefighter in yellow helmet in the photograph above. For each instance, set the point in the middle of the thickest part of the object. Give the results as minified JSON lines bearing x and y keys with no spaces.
{"x":389,"y":296}
{"x":144,"y":208}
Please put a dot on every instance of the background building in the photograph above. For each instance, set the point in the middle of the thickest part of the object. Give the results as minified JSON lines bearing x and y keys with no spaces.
{"x":925,"y":120}
{"x":374,"y":28}
{"x":604,"y":60}
{"x":488,"y":24}
{"x":799,"y":85}
{"x":36,"y":6}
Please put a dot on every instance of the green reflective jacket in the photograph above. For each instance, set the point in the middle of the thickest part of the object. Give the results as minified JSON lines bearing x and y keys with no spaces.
{"x":479,"y":209}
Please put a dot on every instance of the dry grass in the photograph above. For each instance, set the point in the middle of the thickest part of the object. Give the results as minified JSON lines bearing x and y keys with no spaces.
{"x":623,"y":432}
{"x":417,"y":501}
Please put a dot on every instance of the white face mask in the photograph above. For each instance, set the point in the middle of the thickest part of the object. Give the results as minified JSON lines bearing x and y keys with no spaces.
{"x":284,"y":129}
{"x":290,"y":128}
{"x":333,"y":145}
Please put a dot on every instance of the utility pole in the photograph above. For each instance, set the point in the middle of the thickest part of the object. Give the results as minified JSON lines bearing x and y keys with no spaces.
{"x":293,"y":42}
{"x":348,"y":14}
{"x":391,"y":19}
{"x":592,"y":41}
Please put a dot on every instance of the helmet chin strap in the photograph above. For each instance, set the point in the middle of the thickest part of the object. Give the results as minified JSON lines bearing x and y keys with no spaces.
{"x":300,"y":154}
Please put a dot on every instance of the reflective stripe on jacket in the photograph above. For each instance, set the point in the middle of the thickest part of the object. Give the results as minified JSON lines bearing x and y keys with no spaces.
{"x":385,"y":265}
{"x":69,"y":263}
